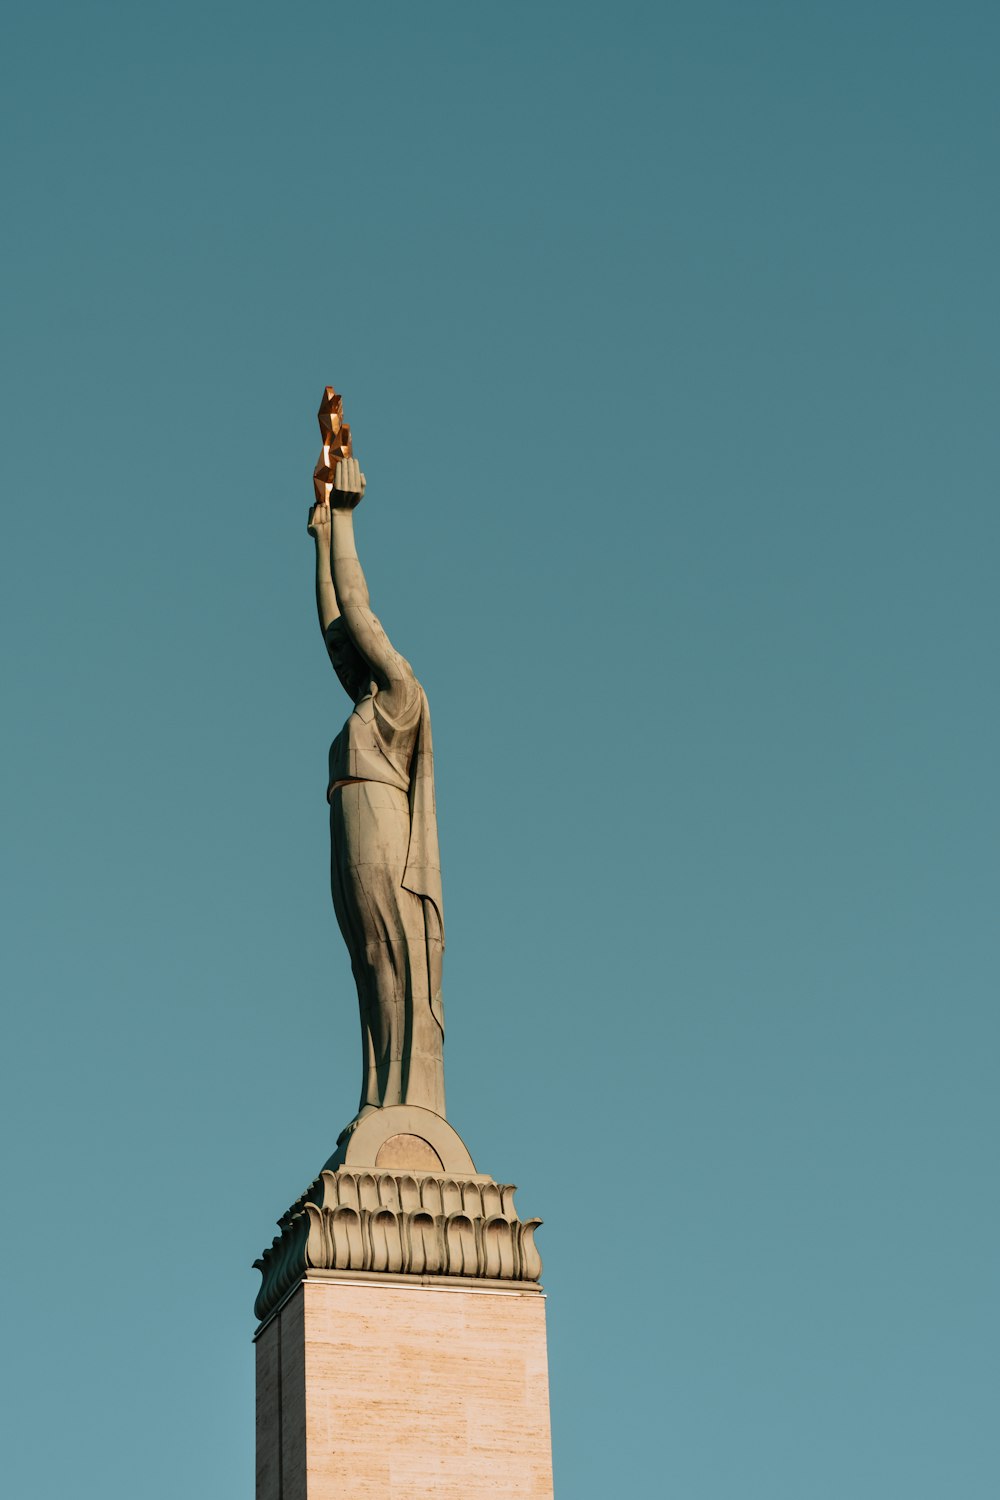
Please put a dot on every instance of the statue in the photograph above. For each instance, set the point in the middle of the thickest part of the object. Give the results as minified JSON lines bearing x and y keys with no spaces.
{"x":400,"y":1194}
{"x":385,"y":866}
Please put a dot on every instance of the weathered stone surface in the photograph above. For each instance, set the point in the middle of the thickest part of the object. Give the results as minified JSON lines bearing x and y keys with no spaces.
{"x":403,"y":1223}
{"x":408,"y":1153}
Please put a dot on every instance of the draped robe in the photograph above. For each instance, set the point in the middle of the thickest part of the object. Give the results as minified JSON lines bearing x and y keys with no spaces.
{"x":386,"y":877}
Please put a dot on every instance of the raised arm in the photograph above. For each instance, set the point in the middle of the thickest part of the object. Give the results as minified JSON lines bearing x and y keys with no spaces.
{"x":327,"y":607}
{"x":391,"y":670}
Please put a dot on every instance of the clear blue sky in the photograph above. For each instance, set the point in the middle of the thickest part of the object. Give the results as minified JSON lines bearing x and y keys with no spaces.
{"x":669,"y":336}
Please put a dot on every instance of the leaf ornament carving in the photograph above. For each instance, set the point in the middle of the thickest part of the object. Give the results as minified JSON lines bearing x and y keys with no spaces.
{"x":399,"y":1224}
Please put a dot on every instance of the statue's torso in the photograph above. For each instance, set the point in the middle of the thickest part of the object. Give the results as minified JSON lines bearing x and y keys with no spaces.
{"x":375,"y":745}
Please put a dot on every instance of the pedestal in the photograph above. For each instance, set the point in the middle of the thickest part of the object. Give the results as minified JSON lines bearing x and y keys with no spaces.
{"x":401,"y":1353}
{"x":368,"y":1390}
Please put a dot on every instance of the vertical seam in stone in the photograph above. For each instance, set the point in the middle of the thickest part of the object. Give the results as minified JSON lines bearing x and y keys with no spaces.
{"x":281,"y":1414}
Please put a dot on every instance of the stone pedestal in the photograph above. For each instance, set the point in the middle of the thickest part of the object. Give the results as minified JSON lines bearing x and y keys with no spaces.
{"x":384,"y":1390}
{"x":401,"y":1353}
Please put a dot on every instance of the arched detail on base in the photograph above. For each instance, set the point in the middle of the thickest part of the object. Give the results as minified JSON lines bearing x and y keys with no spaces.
{"x":429,"y":1133}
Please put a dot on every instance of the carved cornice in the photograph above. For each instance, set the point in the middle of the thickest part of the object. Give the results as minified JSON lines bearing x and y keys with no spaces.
{"x":403,"y":1224}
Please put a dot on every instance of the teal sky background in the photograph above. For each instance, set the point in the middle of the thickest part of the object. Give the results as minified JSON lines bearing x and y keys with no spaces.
{"x":669,"y":338}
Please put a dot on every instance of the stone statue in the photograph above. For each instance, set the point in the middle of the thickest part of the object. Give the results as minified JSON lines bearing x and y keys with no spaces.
{"x":400,"y":1194}
{"x":385,"y":867}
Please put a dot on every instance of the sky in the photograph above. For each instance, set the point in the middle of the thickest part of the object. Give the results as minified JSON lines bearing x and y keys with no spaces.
{"x":669,"y":339}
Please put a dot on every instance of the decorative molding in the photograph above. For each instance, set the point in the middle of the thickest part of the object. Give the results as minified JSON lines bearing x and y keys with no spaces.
{"x":418,"y":1224}
{"x":359,"y":1145}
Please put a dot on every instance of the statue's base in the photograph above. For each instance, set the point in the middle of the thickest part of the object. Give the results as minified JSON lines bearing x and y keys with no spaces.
{"x":402,"y":1135}
{"x":386,"y":1389}
{"x":401,"y":1195}
{"x":401,"y":1350}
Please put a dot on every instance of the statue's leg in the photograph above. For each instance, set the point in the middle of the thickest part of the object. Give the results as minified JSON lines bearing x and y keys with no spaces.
{"x":385,"y":930}
{"x":344,"y":887}
{"x":369,"y":840}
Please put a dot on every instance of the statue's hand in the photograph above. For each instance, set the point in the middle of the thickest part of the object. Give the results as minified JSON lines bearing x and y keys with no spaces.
{"x":348,"y":484}
{"x":319,"y":521}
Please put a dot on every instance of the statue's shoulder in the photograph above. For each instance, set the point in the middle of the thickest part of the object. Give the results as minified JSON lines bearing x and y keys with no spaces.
{"x":402,"y":708}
